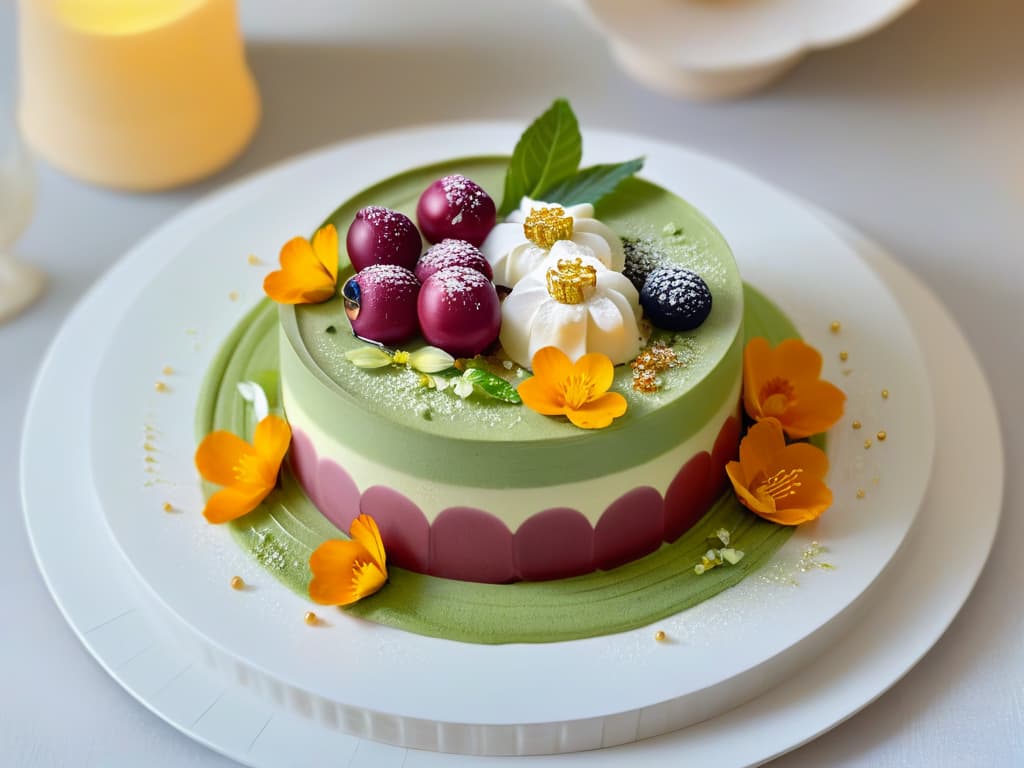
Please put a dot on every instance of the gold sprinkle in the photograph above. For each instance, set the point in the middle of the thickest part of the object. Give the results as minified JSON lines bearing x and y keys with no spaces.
{"x":546,"y":226}
{"x":660,"y":635}
{"x":254,"y":260}
{"x":835,"y":326}
{"x":860,"y":493}
{"x":844,"y":356}
{"x":149,"y":447}
{"x":160,"y":387}
{"x":237,"y":582}
{"x":233,"y":295}
{"x":881,"y":435}
{"x":168,"y":371}
{"x":867,"y":444}
{"x":310,"y":618}
{"x":167,"y":507}
{"x":656,"y":359}
{"x":856,"y":425}
{"x":150,"y":460}
{"x":885,"y":394}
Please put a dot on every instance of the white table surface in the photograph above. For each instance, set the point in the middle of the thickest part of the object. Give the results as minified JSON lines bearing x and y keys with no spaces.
{"x":915,"y":136}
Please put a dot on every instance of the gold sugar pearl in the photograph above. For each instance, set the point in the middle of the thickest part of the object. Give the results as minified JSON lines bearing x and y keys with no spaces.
{"x":233,"y":295}
{"x":881,"y":434}
{"x":167,"y":507}
{"x":237,"y":582}
{"x":885,"y":394}
{"x":660,"y":635}
{"x":160,"y":387}
{"x":254,"y":260}
{"x":856,"y":425}
{"x":167,"y":371}
{"x":844,"y":356}
{"x":860,"y":493}
{"x":867,"y":444}
{"x":835,"y":327}
{"x":310,"y":618}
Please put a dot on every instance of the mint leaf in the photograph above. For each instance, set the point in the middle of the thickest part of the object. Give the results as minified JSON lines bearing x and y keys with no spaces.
{"x":547,"y":152}
{"x":591,"y":184}
{"x":492,"y":385}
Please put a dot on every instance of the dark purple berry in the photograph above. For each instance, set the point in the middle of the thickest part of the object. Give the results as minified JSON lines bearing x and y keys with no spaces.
{"x":675,"y":299}
{"x":382,"y":236}
{"x":455,"y":207}
{"x":459,"y":311}
{"x":452,"y":253}
{"x":380,"y":303}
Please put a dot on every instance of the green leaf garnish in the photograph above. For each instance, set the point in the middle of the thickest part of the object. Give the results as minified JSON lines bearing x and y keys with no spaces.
{"x":492,"y":385}
{"x":591,"y":184}
{"x":548,"y":152}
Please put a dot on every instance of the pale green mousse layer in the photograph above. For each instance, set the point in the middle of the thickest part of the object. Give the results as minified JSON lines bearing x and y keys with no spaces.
{"x":283,"y":532}
{"x":385,"y":414}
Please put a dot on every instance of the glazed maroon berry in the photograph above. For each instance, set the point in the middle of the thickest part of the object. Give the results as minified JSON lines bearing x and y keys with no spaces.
{"x":382,"y":236}
{"x":455,"y":207}
{"x":452,"y":253}
{"x":459,"y":311}
{"x":380,"y":303}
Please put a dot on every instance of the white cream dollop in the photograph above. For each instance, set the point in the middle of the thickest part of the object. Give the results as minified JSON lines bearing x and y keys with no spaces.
{"x":513,"y":256}
{"x":606,"y":321}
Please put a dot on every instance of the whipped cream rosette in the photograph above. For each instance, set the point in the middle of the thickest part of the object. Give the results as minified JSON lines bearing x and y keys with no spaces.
{"x":522,"y":243}
{"x":573,"y":302}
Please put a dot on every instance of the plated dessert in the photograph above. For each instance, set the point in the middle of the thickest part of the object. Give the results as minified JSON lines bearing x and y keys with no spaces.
{"x":484,"y":388}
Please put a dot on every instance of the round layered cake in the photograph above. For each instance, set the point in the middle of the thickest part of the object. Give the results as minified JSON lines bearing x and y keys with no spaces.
{"x":479,"y":489}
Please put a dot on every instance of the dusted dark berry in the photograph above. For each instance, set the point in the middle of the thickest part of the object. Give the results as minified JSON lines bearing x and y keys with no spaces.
{"x":380,"y":303}
{"x":452,"y":253}
{"x":382,"y":236}
{"x":642,"y":257}
{"x":459,"y":311}
{"x":455,"y":207}
{"x":675,"y":299}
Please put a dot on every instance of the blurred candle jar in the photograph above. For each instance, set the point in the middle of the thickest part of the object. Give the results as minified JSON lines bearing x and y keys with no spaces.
{"x":136,"y":94}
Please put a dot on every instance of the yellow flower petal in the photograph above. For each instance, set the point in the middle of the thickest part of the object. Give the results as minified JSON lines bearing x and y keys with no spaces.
{"x":271,"y":439}
{"x":542,"y":396}
{"x":219,"y":454}
{"x":343,"y":573}
{"x":597,"y":369}
{"x":309,"y":273}
{"x":234,"y":501}
{"x":578,"y":391}
{"x":784,"y":384}
{"x":552,"y":364}
{"x":599,"y":413}
{"x":325,"y":247}
{"x":247,"y":472}
{"x":779,"y":482}
{"x":364,"y":530}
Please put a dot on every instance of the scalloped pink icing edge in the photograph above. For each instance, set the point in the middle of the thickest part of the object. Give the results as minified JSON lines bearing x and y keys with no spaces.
{"x":471,"y":544}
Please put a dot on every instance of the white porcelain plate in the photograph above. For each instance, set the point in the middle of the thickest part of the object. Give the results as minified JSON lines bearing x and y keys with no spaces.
{"x":102,"y":598}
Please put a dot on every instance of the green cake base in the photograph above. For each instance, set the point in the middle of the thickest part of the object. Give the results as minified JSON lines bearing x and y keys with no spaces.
{"x":283,"y":532}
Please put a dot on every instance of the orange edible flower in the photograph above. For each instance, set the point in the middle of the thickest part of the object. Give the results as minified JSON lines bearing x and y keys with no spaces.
{"x":578,"y":390}
{"x":779,"y":482}
{"x":783,"y":384}
{"x":247,"y":472}
{"x":347,"y":571}
{"x":309,"y":272}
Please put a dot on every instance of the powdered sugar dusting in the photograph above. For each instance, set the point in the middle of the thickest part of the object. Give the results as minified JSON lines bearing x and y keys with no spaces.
{"x":462,"y":194}
{"x":388,"y":274}
{"x":391,"y":228}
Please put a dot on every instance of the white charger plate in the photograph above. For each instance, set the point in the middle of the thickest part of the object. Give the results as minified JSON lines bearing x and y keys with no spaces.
{"x":418,"y":691}
{"x":105,"y":607}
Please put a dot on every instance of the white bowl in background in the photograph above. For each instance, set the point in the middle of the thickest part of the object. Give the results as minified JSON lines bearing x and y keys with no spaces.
{"x":720,"y":49}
